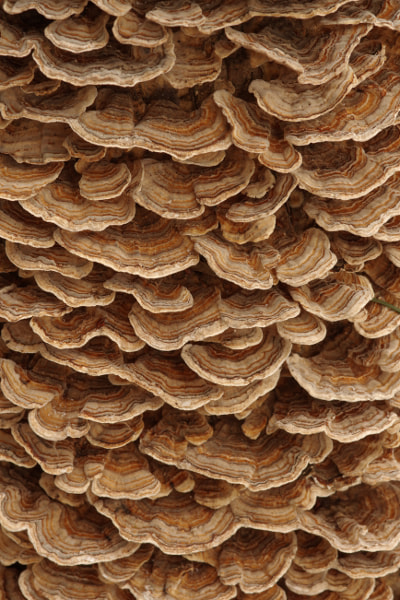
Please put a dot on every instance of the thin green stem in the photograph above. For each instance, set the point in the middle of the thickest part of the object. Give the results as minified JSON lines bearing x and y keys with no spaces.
{"x":387,"y":304}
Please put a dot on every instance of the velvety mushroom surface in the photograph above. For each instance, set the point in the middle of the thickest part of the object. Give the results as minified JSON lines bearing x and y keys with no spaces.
{"x":199,"y":299}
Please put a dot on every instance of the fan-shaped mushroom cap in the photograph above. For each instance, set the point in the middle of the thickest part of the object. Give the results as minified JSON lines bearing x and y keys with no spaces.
{"x":56,"y":530}
{"x":34,"y":143}
{"x":164,"y":127}
{"x":14,"y":73}
{"x":164,"y":332}
{"x":222,"y":365}
{"x":249,"y":209}
{"x":48,"y":578}
{"x":15,"y":40}
{"x":18,"y":303}
{"x":296,"y":412}
{"x":53,"y":457}
{"x":364,"y":112}
{"x":377,"y":320}
{"x":192,"y":187}
{"x":384,"y":274}
{"x":228,"y":454}
{"x":314,"y":50}
{"x":160,"y":522}
{"x":302,"y":582}
{"x":131,"y":28}
{"x":347,"y":170}
{"x":196,"y":61}
{"x":343,"y":379}
{"x":254,"y":131}
{"x":83,"y":324}
{"x":354,"y":250}
{"x":255,"y":559}
{"x":122,"y":569}
{"x":84,"y":31}
{"x":362,"y":216}
{"x":104,"y":180}
{"x":308,"y":258}
{"x":17,"y":225}
{"x":234,"y":399}
{"x":31,"y":388}
{"x":242,"y":233}
{"x":12,"y":552}
{"x":52,"y":9}
{"x":62,"y":204}
{"x":389,"y":231}
{"x":21,"y":181}
{"x":19,"y":336}
{"x":11,"y":451}
{"x":304,"y":329}
{"x":55,"y":259}
{"x":60,"y":104}
{"x":112,"y":65}
{"x":247,"y":267}
{"x":88,"y":291}
{"x":341,"y":295}
{"x":163,"y":295}
{"x":288,"y":100}
{"x":132,"y":248}
{"x":314,"y":554}
{"x":359,"y":512}
{"x":378,"y":564}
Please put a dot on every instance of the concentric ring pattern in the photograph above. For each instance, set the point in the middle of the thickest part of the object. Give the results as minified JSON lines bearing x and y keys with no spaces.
{"x":199,"y":209}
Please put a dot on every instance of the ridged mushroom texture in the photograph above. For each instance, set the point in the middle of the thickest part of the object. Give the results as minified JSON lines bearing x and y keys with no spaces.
{"x":199,"y":299}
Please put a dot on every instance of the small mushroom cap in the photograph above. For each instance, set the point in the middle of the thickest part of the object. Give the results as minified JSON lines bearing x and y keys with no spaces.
{"x":17,"y":303}
{"x":86,"y":30}
{"x":343,"y":379}
{"x":341,"y":295}
{"x":55,"y":259}
{"x":361,"y":507}
{"x":111,"y":65}
{"x":21,"y":181}
{"x":19,"y":226}
{"x":131,"y":28}
{"x":250,"y":209}
{"x":314,"y":50}
{"x":310,"y":257}
{"x":247,"y":267}
{"x":257,"y":464}
{"x":222,"y":365}
{"x":162,"y":295}
{"x":88,"y":291}
{"x":163,"y":128}
{"x":132,"y":248}
{"x":347,"y":170}
{"x":362,"y":216}
{"x":254,"y":131}
{"x":296,"y":412}
{"x":255,"y":559}
{"x":51,"y":9}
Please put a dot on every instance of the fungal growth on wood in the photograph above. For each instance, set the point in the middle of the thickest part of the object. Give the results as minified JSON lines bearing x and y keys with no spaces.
{"x":199,"y":299}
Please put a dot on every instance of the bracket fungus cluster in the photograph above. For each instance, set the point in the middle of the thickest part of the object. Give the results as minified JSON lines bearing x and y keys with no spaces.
{"x":199,"y":298}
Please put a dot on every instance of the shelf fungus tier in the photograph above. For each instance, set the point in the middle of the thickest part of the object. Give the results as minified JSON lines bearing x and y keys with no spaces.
{"x":199,"y":299}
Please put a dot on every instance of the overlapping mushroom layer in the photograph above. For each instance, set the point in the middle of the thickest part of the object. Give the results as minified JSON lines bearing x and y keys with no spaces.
{"x":199,"y":277}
